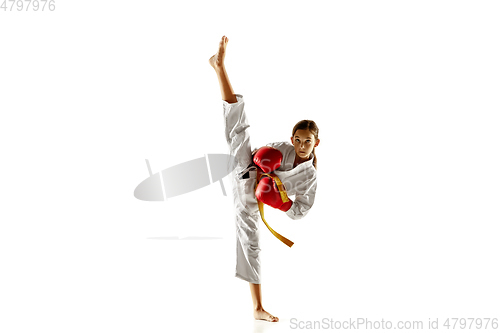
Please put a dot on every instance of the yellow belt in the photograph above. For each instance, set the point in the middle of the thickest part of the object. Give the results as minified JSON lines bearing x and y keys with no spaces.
{"x":284,"y":197}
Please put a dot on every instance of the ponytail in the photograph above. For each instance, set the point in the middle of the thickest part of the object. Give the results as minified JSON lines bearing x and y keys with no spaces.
{"x":315,"y":161}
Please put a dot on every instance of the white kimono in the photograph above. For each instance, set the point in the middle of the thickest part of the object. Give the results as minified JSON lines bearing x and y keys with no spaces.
{"x":299,"y":182}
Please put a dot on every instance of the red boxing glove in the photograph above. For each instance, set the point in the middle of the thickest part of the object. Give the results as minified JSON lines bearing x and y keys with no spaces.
{"x":268,"y":193}
{"x":286,"y":206}
{"x":268,"y":159}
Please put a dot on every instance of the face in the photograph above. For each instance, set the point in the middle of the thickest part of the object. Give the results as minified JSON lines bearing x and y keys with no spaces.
{"x":304,"y":142}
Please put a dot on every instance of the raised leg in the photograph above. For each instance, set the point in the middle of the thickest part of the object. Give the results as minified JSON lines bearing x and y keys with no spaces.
{"x":217,"y":62}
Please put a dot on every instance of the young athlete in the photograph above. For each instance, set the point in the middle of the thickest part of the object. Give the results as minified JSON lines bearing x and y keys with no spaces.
{"x":297,"y":171}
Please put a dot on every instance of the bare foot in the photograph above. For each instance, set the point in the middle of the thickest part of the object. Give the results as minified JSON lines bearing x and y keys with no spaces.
{"x":217,"y":60}
{"x":261,"y":314}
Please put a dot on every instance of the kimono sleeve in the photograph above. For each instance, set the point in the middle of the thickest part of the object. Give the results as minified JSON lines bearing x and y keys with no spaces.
{"x":281,"y":146}
{"x":304,"y":200}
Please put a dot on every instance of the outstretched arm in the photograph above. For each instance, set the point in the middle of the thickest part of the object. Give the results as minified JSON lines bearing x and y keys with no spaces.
{"x":217,"y":62}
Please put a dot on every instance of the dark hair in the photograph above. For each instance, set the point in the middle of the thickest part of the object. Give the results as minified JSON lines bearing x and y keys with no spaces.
{"x":311,"y":127}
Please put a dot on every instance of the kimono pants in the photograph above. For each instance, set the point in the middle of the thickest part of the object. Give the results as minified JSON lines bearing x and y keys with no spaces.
{"x":243,"y":179}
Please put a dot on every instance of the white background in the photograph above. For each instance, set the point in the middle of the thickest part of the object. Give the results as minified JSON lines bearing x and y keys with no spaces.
{"x":405,"y":222}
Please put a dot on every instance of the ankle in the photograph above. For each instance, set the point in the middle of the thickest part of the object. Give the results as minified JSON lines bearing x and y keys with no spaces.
{"x":258,"y":307}
{"x":219,"y":68}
